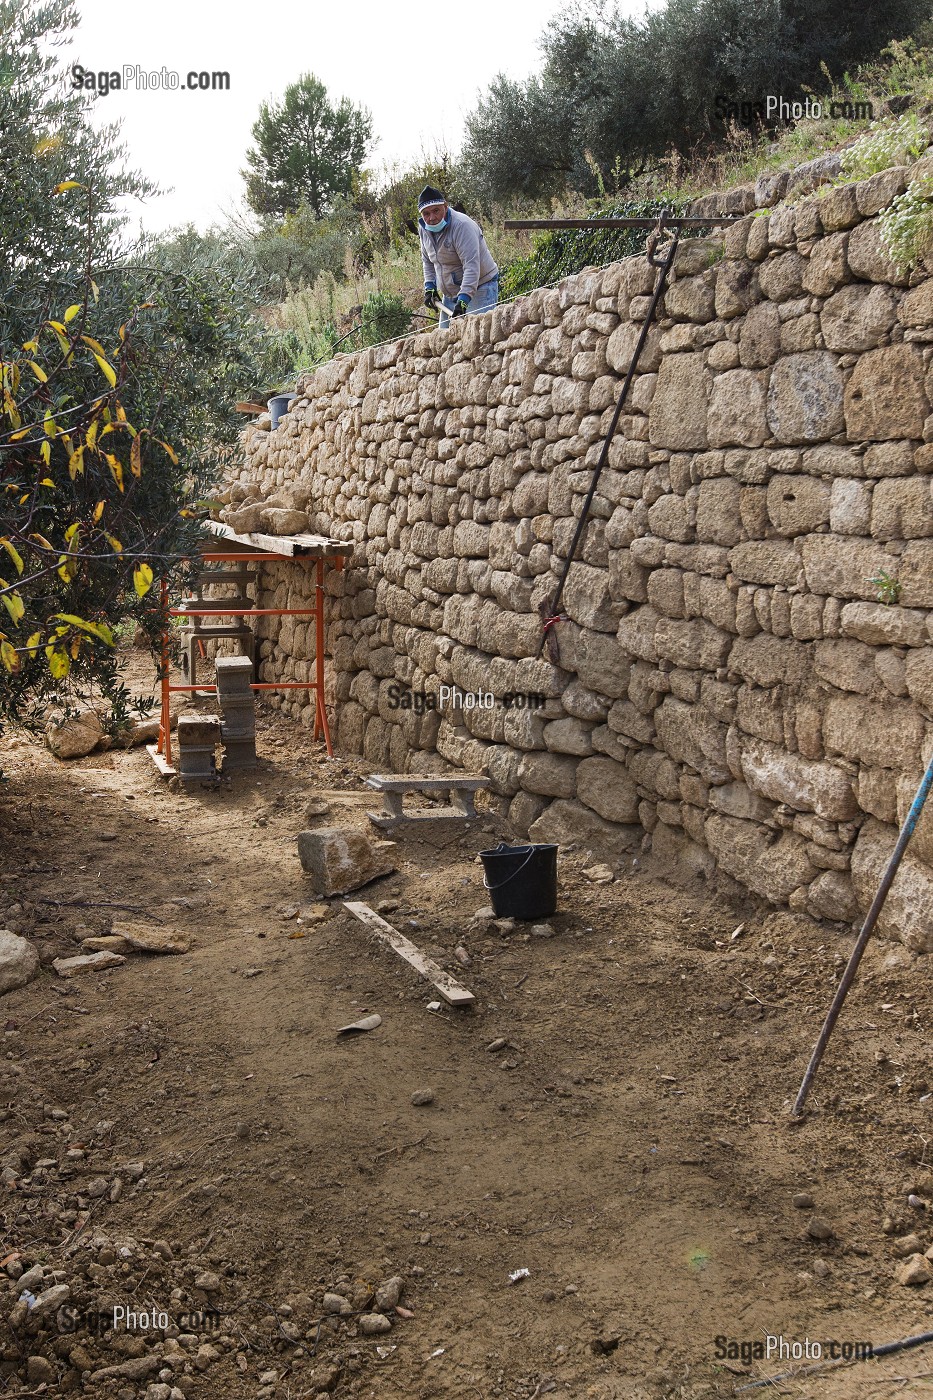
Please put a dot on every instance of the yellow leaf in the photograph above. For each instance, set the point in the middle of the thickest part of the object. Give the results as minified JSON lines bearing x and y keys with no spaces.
{"x":76,"y":462}
{"x":47,"y":481}
{"x":67,"y":185}
{"x":72,"y":312}
{"x":95,"y":289}
{"x":41,"y":538}
{"x":14,"y":554}
{"x":50,"y":426}
{"x":65,"y":347}
{"x":14,"y":606}
{"x":38,"y":371}
{"x":142,"y":579}
{"x":9,"y":657}
{"x":114,"y":543}
{"x":116,"y":469}
{"x":96,"y":629}
{"x":136,"y":457}
{"x":98,"y":511}
{"x":31,"y":346}
{"x":72,"y":531}
{"x":170,"y":450}
{"x":107,"y":371}
{"x":90,"y":436}
{"x":59,"y":662}
{"x":45,"y":452}
{"x":33,"y":644}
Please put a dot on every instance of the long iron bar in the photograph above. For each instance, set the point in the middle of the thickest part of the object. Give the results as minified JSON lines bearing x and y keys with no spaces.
{"x":871,"y":918}
{"x":607,"y":441}
{"x":669,"y":222}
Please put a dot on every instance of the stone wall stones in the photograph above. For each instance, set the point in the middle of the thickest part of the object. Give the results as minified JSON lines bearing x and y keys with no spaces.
{"x":729,"y":680}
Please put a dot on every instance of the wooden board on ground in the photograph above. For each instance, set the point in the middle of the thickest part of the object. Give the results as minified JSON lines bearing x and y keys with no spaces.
{"x":289,"y":546}
{"x":450,"y":989}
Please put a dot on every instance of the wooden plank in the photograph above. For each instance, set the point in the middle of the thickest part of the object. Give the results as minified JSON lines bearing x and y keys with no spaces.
{"x":386,"y":782}
{"x":450,"y":989}
{"x":164,"y":768}
{"x":289,"y":546}
{"x":390,"y":821}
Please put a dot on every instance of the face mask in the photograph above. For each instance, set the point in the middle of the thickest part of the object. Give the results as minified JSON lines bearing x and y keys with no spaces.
{"x":436,"y":228}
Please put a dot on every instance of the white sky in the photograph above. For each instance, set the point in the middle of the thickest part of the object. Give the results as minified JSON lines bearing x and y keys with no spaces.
{"x":418,"y":66}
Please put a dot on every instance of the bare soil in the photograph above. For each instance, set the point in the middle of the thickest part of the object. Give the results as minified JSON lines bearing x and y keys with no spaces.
{"x":630,"y":1146}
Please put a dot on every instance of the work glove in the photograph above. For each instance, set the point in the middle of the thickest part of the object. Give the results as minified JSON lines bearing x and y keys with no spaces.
{"x":461,"y":308}
{"x":430,"y":292}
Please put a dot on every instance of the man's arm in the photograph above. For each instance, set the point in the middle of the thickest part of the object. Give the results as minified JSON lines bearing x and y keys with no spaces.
{"x":430,"y":276}
{"x":466,"y":240}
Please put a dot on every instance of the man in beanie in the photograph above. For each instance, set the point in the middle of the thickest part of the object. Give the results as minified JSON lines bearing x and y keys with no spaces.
{"x":457,"y":263}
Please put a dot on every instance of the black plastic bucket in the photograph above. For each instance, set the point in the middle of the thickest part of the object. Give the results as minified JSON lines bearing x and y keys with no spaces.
{"x":522,"y":880}
{"x":279,"y":406}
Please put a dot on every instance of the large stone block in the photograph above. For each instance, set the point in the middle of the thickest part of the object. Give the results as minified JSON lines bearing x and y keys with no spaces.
{"x":718,"y":517}
{"x":736,"y":415}
{"x":885,"y":397}
{"x":798,"y":505}
{"x":858,"y":317}
{"x":573,"y":824}
{"x":869,"y":258}
{"x":919,"y":677}
{"x":804,"y":785}
{"x":339,"y":859}
{"x":608,"y":788}
{"x":766,"y":562}
{"x":736,"y":288}
{"x":886,"y":735}
{"x":915,"y":574}
{"x":760,"y":340}
{"x":694,"y":644}
{"x":588,"y":598}
{"x":907,"y":913}
{"x":768,"y":661}
{"x":621,"y":346}
{"x":600,"y":662}
{"x":19,"y":962}
{"x":691,"y":735}
{"x":677,"y":418}
{"x":768,"y":866}
{"x":805,"y":398}
{"x":843,"y":567}
{"x":880,"y":624}
{"x":550,"y":774}
{"x":902,"y":508}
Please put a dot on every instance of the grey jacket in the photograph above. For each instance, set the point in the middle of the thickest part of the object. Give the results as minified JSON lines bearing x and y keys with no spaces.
{"x":456,"y":259}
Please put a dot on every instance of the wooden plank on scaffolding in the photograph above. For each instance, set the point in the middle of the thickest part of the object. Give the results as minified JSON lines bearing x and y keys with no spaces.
{"x":450,"y":989}
{"x":289,"y":546}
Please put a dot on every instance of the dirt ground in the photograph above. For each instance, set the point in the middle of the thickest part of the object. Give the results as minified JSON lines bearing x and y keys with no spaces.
{"x":629,"y":1146}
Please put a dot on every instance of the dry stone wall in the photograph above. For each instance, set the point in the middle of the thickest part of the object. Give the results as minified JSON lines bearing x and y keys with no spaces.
{"x":729,"y":681}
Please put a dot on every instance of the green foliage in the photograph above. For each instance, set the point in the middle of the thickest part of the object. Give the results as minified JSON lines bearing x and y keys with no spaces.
{"x":907,"y":223}
{"x":307,"y":150}
{"x":885,"y":143}
{"x":560,"y":252}
{"x":615,"y":94}
{"x":120,"y":368}
{"x":384,"y":317}
{"x":889,"y":588}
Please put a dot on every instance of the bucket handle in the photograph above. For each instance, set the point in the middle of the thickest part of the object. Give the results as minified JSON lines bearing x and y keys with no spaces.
{"x":501,"y":883}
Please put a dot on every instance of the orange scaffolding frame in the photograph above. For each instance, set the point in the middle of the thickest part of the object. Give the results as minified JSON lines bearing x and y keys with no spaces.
{"x":332,"y":552}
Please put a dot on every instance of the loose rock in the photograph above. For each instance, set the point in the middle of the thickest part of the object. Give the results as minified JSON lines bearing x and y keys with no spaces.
{"x":422,"y":1097}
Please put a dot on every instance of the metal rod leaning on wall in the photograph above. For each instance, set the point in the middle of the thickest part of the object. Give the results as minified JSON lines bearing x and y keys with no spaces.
{"x":550,"y":611}
{"x":871,"y":918}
